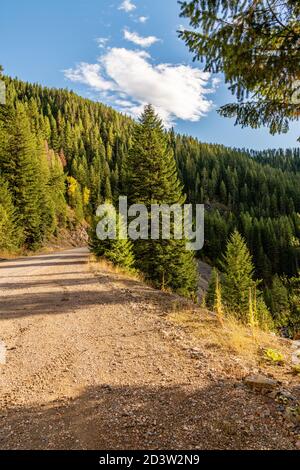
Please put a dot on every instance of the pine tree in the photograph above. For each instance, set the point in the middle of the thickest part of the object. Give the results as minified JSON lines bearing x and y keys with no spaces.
{"x":153,"y":175}
{"x":117,"y":251}
{"x":107,"y":189}
{"x":294,"y":297}
{"x":21,"y":167}
{"x":238,"y":276}
{"x":227,"y":35}
{"x":10,"y":232}
{"x":278,"y":301}
{"x":153,"y":179}
{"x":56,"y":185}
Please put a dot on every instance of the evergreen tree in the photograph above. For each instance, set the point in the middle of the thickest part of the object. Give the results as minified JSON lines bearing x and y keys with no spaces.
{"x":278,"y":301}
{"x":10,"y":233}
{"x":56,"y":185}
{"x":256,"y":45}
{"x":117,"y":251}
{"x":153,"y":179}
{"x":294,"y":298}
{"x":238,"y":276}
{"x":152,"y":168}
{"x":22,"y":170}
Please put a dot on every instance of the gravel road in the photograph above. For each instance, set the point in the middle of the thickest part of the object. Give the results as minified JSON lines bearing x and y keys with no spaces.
{"x":92,"y":364}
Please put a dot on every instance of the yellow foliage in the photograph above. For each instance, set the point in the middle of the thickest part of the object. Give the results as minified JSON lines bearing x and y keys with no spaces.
{"x":218,"y":302}
{"x":72,"y":186}
{"x":86,"y":196}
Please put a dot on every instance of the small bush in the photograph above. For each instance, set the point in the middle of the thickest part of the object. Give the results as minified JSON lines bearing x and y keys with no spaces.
{"x":273,"y":356}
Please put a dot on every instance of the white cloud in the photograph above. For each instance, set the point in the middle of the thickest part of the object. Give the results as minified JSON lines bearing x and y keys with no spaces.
{"x":143,"y":19}
{"x":139,"y":40}
{"x":123,"y":103}
{"x":127,"y":6}
{"x":176,"y":91}
{"x":101,"y":42}
{"x":89,"y":74}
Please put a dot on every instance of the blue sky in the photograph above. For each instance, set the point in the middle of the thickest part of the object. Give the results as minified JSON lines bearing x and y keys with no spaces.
{"x":124,"y":53}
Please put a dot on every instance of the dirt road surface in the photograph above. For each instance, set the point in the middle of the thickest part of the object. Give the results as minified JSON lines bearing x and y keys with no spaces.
{"x":92,"y":364}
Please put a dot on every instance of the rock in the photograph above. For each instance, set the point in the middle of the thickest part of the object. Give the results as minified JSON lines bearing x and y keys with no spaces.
{"x":286,"y":395}
{"x":296,"y":353}
{"x":196,"y":353}
{"x":274,"y":394}
{"x":292,"y":415}
{"x":260,"y":383}
{"x":298,"y":445}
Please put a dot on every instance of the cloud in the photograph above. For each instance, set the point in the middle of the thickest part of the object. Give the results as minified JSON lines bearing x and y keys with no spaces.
{"x":127,"y":6}
{"x":139,"y":40}
{"x":89,"y":74}
{"x":143,"y":19}
{"x":176,"y":91}
{"x":101,"y":42}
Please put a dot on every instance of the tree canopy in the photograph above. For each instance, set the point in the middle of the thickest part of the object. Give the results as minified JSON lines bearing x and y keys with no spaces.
{"x":256,"y":44}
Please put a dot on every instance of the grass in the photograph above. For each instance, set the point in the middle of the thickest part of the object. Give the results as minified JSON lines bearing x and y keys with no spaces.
{"x":96,"y":265}
{"x":232,"y":337}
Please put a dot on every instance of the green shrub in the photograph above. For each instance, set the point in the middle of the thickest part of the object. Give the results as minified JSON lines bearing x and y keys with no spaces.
{"x":273,"y":356}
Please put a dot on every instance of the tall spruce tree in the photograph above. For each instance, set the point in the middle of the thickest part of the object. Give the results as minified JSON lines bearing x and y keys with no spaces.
{"x":153,"y":179}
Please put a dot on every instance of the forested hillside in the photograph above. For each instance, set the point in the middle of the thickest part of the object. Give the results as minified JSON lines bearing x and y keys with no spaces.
{"x":263,"y":202}
{"x":288,"y":160}
{"x":61,"y":155}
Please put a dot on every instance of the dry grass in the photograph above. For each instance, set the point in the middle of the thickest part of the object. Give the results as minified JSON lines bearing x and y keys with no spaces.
{"x":103,"y":265}
{"x":8,"y":255}
{"x":231,"y":337}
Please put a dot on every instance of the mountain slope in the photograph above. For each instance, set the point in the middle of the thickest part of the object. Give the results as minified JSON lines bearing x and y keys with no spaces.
{"x":239,"y":189}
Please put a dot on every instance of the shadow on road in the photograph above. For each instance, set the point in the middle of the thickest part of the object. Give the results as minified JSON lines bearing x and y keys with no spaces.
{"x":145,"y":417}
